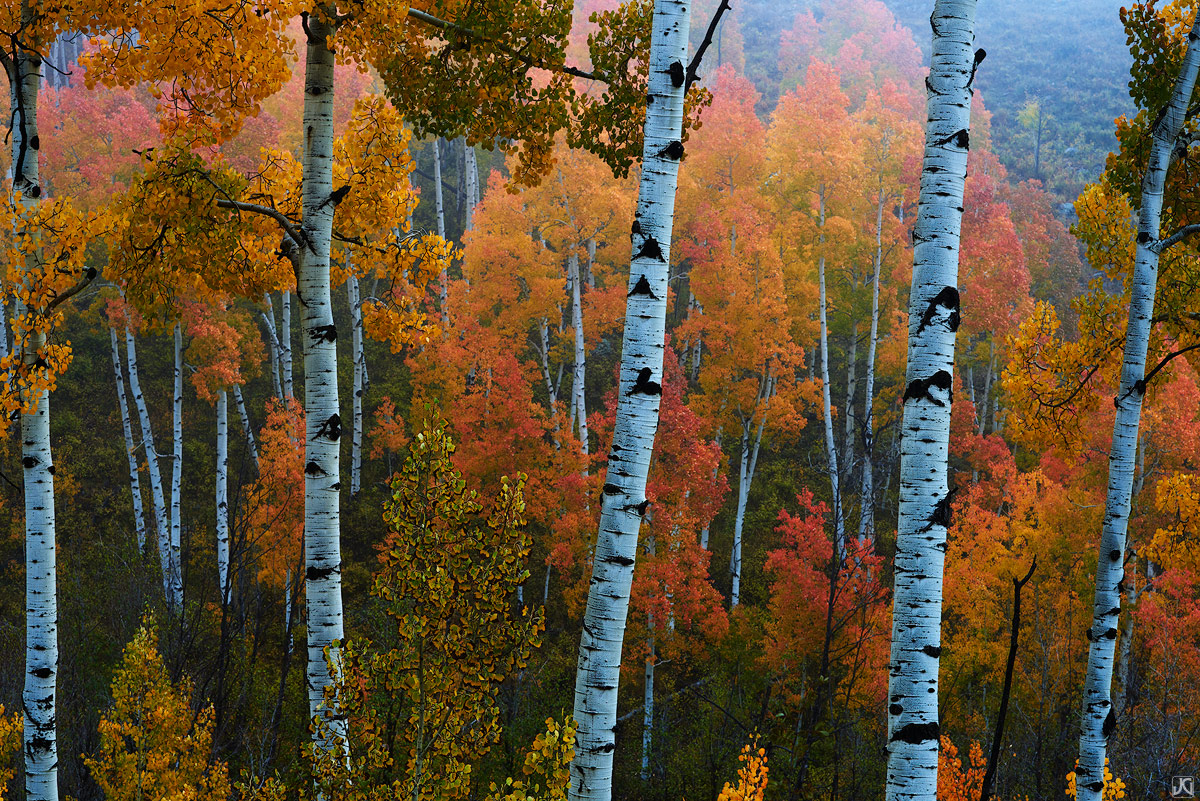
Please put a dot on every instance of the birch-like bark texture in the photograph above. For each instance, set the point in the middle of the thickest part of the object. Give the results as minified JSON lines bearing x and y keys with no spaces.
{"x":577,"y":395}
{"x":745,"y":478}
{"x":356,"y":435}
{"x":222,"y":494}
{"x":268,"y":318}
{"x":440,"y":212}
{"x":322,"y":460}
{"x":135,"y":484}
{"x":1099,"y":718}
{"x":285,"y":343}
{"x":648,"y":705}
{"x":624,"y":493}
{"x":472,"y":171}
{"x":177,"y":475}
{"x":924,"y":493}
{"x":40,"y":693}
{"x":247,"y":428}
{"x":839,"y":522}
{"x":162,"y":525}
{"x":866,"y":521}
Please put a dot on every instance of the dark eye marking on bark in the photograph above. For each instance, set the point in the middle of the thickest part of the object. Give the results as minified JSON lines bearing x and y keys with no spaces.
{"x":35,"y":143}
{"x":644,"y":385}
{"x":331,"y":428}
{"x":917,"y":733}
{"x":28,"y":462}
{"x":318,"y":573}
{"x":947,"y":299}
{"x":676,"y":73}
{"x":650,"y":250}
{"x":980,"y":55}
{"x":323,"y":332}
{"x":895,"y":709}
{"x":932,"y":650}
{"x":314,"y":469}
{"x":642,"y":287}
{"x":611,"y":489}
{"x":920,"y":388}
{"x":673,"y":151}
{"x":42,"y":673}
{"x":642,"y":507}
{"x":1115,"y":554}
{"x":617,"y":559}
{"x":1110,"y":724}
{"x":636,"y":228}
{"x":960,"y":139}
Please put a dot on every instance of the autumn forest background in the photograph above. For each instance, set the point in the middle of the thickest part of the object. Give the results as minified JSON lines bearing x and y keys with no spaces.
{"x":761,"y":604}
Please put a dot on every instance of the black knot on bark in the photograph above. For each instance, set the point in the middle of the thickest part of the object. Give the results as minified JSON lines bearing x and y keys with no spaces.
{"x":1115,"y":554}
{"x":1143,"y":237}
{"x":35,"y":143}
{"x":650,"y":250}
{"x":35,"y":192}
{"x":314,"y":469}
{"x":895,"y":709}
{"x":50,"y":469}
{"x":948,"y":299}
{"x":319,"y":573}
{"x":917,"y":733}
{"x":331,"y":428}
{"x":611,"y":489}
{"x":642,"y":507}
{"x":28,"y":462}
{"x":1110,"y":724}
{"x":90,"y":273}
{"x":920,"y":388}
{"x":642,"y":287}
{"x":327,"y":333}
{"x":676,"y":73}
{"x":673,"y":151}
{"x":643,"y":385}
{"x":42,"y":673}
{"x":617,"y":559}
{"x":932,"y":650}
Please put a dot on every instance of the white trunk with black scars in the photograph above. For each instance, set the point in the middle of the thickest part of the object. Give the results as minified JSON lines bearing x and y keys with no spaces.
{"x":322,"y":462}
{"x":1099,"y":719}
{"x":135,"y":485}
{"x":285,"y":342}
{"x":640,"y":392}
{"x":924,"y":492}
{"x":866,"y":526}
{"x":177,"y":476}
{"x":222,"y":495}
{"x":247,"y":428}
{"x":162,"y":525}
{"x":578,"y":398}
{"x":360,"y":383}
{"x":41,"y":582}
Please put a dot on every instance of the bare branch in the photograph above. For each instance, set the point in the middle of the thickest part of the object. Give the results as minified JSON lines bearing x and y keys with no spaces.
{"x":692,"y":77}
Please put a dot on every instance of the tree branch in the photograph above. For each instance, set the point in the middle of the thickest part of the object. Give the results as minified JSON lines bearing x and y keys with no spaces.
{"x":1175,"y":238}
{"x":278,"y":216}
{"x":692,"y":77}
{"x":88,"y":276}
{"x":443,"y":25}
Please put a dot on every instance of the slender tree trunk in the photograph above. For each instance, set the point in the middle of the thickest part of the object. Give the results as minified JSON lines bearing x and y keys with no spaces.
{"x":41,"y":582}
{"x":982,"y":409}
{"x":640,"y":392}
{"x":866,"y":525}
{"x":544,"y":353}
{"x":360,"y":375}
{"x":247,"y":428}
{"x":322,"y":475}
{"x":285,"y":342}
{"x":222,"y":494}
{"x":472,"y":172}
{"x":135,"y":485}
{"x":924,"y":492}
{"x":273,"y":343}
{"x":1099,"y":718}
{"x":444,"y":279}
{"x":735,"y":552}
{"x":648,"y":704}
{"x":716,"y":470}
{"x":848,"y":408}
{"x":157,"y":498}
{"x":578,"y":398}
{"x":839,"y":523}
{"x":177,"y":476}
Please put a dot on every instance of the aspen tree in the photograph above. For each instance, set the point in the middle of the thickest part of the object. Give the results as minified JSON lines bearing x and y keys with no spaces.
{"x":924,"y":493}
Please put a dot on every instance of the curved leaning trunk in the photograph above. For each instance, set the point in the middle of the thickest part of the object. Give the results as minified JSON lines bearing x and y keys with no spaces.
{"x":322,"y":460}
{"x":135,"y":484}
{"x":1099,"y":718}
{"x":222,"y":493}
{"x":162,"y":524}
{"x":924,"y":493}
{"x":41,"y":581}
{"x":624,"y":493}
{"x":268,"y":318}
{"x":177,"y":475}
{"x":247,"y":428}
{"x":866,"y":522}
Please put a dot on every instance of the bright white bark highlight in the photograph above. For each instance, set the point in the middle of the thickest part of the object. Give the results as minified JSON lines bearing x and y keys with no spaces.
{"x":162,"y":525}
{"x":360,"y":386}
{"x":472,"y":171}
{"x":749,"y":463}
{"x":322,"y":473}
{"x":624,"y":493}
{"x":1099,"y":719}
{"x":247,"y":428}
{"x":924,"y":495}
{"x":439,"y":210}
{"x":578,"y":398}
{"x":839,"y":526}
{"x":135,"y":484}
{"x":222,"y":494}
{"x":285,"y":343}
{"x":866,"y":525}
{"x":268,"y":318}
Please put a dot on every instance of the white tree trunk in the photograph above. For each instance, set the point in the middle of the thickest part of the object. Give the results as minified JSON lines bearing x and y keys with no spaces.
{"x":41,"y":583}
{"x":359,"y":357}
{"x":162,"y":524}
{"x":924,"y":494}
{"x":285,"y":342}
{"x":268,"y":318}
{"x":648,"y":704}
{"x":544,"y":353}
{"x":322,"y":474}
{"x":135,"y":484}
{"x":577,"y":394}
{"x":247,"y":428}
{"x":848,"y":408}
{"x":177,"y":475}
{"x":222,"y":494}
{"x":839,"y":523}
{"x":866,"y":524}
{"x":624,"y":493}
{"x":444,"y":279}
{"x":472,"y":169}
{"x":1099,"y":719}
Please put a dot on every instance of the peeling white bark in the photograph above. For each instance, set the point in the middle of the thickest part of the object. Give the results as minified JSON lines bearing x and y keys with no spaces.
{"x":1099,"y":718}
{"x":640,"y":392}
{"x":913,"y":728}
{"x":135,"y":485}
